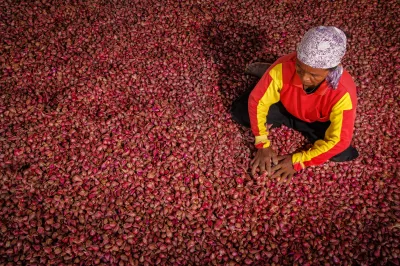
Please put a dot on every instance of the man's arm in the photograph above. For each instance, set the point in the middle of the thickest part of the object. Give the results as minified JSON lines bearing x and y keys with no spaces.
{"x":337,"y":137}
{"x":266,"y":93}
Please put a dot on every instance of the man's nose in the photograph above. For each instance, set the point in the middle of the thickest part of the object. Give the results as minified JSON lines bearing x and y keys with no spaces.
{"x":306,"y":78}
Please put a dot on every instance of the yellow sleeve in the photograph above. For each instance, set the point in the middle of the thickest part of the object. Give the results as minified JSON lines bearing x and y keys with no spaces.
{"x":266,"y":93}
{"x":337,"y":137}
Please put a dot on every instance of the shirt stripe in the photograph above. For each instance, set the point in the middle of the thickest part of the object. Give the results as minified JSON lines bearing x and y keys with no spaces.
{"x":333,"y":143}
{"x":266,"y":93}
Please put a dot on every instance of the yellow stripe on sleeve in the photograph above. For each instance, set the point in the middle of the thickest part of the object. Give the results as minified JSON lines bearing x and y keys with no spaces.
{"x":271,"y":96}
{"x":332,"y":134}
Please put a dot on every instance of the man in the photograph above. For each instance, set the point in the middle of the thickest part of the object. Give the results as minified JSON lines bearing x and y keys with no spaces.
{"x":308,"y":91}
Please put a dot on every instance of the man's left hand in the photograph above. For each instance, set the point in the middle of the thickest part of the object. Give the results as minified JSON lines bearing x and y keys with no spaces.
{"x":284,"y":169}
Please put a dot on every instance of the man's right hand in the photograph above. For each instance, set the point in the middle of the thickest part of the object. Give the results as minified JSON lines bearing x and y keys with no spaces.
{"x":263,"y":159}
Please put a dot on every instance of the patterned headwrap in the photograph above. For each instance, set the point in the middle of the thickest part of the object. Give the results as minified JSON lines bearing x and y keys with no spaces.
{"x":323,"y":47}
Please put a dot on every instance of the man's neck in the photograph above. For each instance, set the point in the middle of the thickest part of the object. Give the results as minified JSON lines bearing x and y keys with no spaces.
{"x":312,"y":89}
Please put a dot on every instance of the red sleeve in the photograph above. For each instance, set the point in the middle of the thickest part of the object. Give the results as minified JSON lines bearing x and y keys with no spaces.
{"x":266,"y":93}
{"x":337,"y":137}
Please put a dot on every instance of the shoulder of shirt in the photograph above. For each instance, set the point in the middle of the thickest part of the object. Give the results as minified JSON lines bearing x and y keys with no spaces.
{"x":289,"y":58}
{"x":284,"y":60}
{"x":347,"y":84}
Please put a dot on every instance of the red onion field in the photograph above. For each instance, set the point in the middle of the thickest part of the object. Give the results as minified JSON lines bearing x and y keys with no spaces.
{"x":117,"y":146}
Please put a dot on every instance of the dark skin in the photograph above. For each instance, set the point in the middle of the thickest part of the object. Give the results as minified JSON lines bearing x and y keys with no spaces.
{"x":309,"y":76}
{"x":283,"y":166}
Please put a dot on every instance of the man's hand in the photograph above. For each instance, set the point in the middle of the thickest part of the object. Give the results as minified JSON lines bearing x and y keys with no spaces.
{"x":284,"y":169}
{"x":263,"y":160}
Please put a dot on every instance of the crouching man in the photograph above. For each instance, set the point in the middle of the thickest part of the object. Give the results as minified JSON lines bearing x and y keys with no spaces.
{"x":309,"y":91}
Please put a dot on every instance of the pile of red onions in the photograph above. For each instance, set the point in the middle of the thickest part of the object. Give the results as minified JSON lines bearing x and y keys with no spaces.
{"x":117,"y":147}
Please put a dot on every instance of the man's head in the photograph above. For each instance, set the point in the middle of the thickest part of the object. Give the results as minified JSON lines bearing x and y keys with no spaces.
{"x":310,"y":77}
{"x":319,"y":54}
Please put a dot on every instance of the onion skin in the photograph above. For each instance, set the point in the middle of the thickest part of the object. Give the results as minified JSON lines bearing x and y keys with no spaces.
{"x":117,"y":147}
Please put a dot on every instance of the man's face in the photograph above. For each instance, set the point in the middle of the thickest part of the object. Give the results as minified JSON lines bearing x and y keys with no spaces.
{"x":309,"y":76}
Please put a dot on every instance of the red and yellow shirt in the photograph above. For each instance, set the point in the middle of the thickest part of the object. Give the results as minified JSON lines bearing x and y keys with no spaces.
{"x":281,"y":83}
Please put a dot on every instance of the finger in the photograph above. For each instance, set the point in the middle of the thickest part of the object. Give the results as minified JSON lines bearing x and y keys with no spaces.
{"x":275,"y":159}
{"x":268,"y":164}
{"x":255,"y":158}
{"x":281,"y":157}
{"x":262,"y":166}
{"x":283,"y":177}
{"x":276,"y":167}
{"x":289,"y":179}
{"x":254,"y":167}
{"x":277,"y":174}
{"x":252,"y":161}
